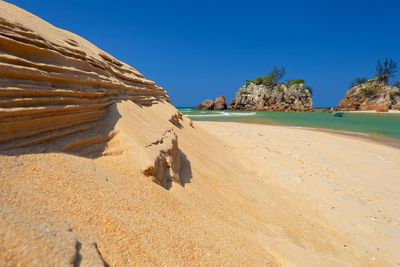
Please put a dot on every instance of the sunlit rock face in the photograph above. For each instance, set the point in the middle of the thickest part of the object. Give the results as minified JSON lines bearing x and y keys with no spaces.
{"x":374,"y":94}
{"x":54,"y":83}
{"x":60,"y":93}
{"x":278,"y":97}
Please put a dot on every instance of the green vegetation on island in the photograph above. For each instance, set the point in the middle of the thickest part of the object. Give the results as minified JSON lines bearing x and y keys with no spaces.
{"x":375,"y":93}
{"x":384,"y":70}
{"x":275,"y":76}
{"x":272,"y":78}
{"x":359,"y":81}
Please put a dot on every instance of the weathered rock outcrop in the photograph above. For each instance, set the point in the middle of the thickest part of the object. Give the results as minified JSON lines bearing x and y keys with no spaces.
{"x":58,"y":93}
{"x":207,"y":104}
{"x":166,"y":159}
{"x":279,"y":97}
{"x":374,"y":94}
{"x":62,"y":97}
{"x":218,"y":104}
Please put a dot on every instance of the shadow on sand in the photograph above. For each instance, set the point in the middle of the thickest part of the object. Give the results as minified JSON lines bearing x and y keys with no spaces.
{"x":185,"y":173}
{"x":84,"y":137}
{"x":83,"y":134}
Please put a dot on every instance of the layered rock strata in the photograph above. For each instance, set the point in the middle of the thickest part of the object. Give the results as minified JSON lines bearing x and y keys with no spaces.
{"x":58,"y":93}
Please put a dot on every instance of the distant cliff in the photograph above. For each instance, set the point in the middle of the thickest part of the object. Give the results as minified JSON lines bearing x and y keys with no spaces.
{"x":374,"y":94}
{"x":291,"y":96}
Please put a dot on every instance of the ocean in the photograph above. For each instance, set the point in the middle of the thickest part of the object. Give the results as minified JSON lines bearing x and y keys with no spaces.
{"x":371,"y":124}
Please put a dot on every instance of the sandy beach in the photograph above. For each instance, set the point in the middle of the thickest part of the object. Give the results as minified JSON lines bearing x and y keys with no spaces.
{"x":347,"y":187}
{"x":250,"y":195}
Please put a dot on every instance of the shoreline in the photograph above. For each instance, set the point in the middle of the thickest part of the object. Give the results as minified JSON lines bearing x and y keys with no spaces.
{"x":323,"y":110}
{"x":391,"y":142}
{"x":392,"y":111}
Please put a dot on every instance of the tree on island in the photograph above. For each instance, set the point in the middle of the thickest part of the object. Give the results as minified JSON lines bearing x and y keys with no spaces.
{"x":272,"y":78}
{"x":386,"y":69}
{"x":359,"y":81}
{"x":275,"y":76}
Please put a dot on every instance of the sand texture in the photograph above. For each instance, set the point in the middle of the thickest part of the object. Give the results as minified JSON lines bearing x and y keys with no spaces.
{"x":97,"y":168}
{"x":323,"y":194}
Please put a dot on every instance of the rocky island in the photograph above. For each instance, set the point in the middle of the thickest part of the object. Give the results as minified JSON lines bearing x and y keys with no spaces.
{"x":374,"y":94}
{"x":267,"y":94}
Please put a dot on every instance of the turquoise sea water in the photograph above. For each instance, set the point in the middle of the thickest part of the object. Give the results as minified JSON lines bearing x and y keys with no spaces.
{"x":384,"y":125}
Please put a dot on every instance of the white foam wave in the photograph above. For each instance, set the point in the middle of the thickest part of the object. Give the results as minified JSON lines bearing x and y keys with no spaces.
{"x":241,"y":113}
{"x":223,"y":114}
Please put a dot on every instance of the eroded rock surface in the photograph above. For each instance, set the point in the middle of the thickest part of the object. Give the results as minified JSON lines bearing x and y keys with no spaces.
{"x":176,"y":119}
{"x":59,"y":93}
{"x":207,"y":104}
{"x":62,"y":97}
{"x":272,"y":98}
{"x":54,"y":83}
{"x":374,"y":94}
{"x":220,"y":103}
{"x":167,"y":162}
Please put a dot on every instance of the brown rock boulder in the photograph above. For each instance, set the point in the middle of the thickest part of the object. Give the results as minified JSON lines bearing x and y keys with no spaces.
{"x":220,"y":103}
{"x":207,"y":104}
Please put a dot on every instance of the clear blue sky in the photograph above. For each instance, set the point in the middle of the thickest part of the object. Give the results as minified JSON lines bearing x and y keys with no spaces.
{"x":202,"y":49}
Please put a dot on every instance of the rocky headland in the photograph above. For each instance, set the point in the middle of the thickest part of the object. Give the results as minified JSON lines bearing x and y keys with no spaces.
{"x":374,"y":94}
{"x":269,"y":94}
{"x":218,"y":104}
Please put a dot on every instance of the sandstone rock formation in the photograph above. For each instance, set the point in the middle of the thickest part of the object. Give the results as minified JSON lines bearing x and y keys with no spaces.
{"x":374,"y":94}
{"x":58,"y":92}
{"x":278,"y":97}
{"x":61,"y":94}
{"x":166,"y":159}
{"x":176,"y":119}
{"x":218,"y":104}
